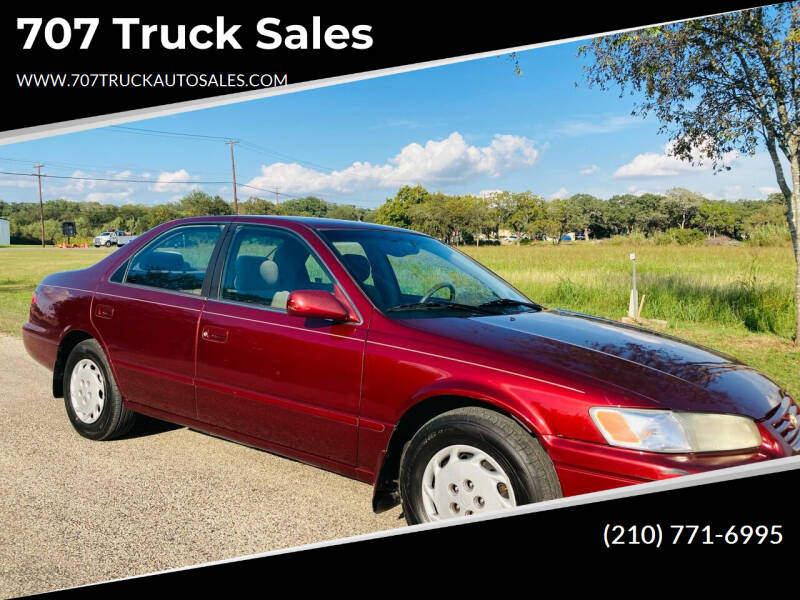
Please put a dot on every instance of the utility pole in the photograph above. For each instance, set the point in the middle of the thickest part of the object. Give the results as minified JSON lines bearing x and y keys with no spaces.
{"x":275,"y":191}
{"x":41,"y":205}
{"x":233,"y":171}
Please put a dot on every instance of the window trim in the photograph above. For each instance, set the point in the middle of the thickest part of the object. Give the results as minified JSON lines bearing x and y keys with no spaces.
{"x":328,"y":244}
{"x":209,"y":268}
{"x":222,"y":259}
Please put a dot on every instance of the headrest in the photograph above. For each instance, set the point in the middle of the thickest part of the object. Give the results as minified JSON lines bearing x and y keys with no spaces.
{"x":162,"y":260}
{"x":358,"y":265}
{"x":254,"y":273}
{"x":269,"y":271}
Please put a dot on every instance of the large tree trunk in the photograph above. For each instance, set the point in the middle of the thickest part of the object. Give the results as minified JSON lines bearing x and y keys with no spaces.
{"x":793,"y":216}
{"x":797,"y":286}
{"x":794,"y":208}
{"x":792,"y":198}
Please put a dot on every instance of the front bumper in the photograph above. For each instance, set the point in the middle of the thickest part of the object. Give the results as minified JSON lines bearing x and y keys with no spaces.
{"x":585,"y":467}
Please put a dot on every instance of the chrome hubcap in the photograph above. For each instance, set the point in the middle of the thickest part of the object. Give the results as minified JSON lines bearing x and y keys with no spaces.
{"x":463,"y":480}
{"x":87,"y":390}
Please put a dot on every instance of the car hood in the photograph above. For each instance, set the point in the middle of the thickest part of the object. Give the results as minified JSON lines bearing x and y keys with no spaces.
{"x":669,"y":372}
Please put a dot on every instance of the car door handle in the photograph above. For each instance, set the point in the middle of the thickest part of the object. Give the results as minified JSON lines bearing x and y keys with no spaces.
{"x":214,"y":334}
{"x":104,"y":311}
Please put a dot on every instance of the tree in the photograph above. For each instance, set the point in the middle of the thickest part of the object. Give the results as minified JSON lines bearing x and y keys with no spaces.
{"x":161,"y":214}
{"x":521,"y":211}
{"x":479,"y":218}
{"x":310,"y":206}
{"x":396,"y":211}
{"x":198,"y":203}
{"x":258,"y":206}
{"x":565,"y":216}
{"x":681,"y":205}
{"x":433,"y":217}
{"x":723,"y":84}
{"x":345,"y":212}
{"x":591,"y":210}
{"x":715,"y":216}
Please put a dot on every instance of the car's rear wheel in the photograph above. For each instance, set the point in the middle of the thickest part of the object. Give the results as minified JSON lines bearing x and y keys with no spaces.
{"x":93,"y":402}
{"x":471,"y":461}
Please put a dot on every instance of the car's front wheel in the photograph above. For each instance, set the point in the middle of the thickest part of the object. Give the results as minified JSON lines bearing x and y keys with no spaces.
{"x":93,"y":402}
{"x":470,"y":461}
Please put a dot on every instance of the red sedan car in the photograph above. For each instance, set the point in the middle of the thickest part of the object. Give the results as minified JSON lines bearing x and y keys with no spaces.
{"x":387,"y":356}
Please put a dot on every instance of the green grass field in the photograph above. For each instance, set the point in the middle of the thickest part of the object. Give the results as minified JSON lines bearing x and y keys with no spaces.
{"x":734,"y":298}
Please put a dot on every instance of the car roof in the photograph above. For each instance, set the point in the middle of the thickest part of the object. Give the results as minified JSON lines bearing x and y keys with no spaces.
{"x":310,"y":222}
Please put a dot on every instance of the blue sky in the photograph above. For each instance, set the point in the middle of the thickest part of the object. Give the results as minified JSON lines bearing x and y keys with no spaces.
{"x":467,"y":128}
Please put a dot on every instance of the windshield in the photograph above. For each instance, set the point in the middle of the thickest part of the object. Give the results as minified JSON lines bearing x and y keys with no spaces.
{"x":410,"y":275}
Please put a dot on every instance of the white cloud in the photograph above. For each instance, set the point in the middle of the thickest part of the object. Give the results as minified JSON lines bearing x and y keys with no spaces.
{"x":767,"y":190}
{"x":732,"y":192}
{"x":450,"y":160}
{"x":18,"y":183}
{"x":85,"y":187}
{"x":111,"y":197}
{"x":638,"y":191}
{"x":559,"y":193}
{"x":665,"y":165}
{"x":576,"y":128}
{"x":173,"y":181}
{"x":589,"y":170}
{"x":109,"y":187}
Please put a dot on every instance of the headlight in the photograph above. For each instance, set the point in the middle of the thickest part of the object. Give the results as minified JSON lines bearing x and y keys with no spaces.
{"x":668,"y":431}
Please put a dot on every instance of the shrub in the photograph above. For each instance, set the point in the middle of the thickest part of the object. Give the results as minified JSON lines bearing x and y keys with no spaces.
{"x":685,"y":236}
{"x":768,"y":235}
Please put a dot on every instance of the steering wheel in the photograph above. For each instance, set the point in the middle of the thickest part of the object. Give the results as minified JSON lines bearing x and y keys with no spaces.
{"x":437,"y":287}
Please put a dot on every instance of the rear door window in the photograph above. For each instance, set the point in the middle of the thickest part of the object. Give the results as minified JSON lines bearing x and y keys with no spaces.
{"x":176,"y":261}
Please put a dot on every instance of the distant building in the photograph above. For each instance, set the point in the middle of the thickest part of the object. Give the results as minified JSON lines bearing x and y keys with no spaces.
{"x":5,"y":233}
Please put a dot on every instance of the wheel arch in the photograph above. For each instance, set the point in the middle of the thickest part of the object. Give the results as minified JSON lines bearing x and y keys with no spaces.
{"x":385,"y":490}
{"x":65,"y":347}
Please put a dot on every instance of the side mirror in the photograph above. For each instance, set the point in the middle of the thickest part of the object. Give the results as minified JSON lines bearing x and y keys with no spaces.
{"x":316,"y":304}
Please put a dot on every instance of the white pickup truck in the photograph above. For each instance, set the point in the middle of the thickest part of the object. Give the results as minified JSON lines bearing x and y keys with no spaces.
{"x":112,"y":238}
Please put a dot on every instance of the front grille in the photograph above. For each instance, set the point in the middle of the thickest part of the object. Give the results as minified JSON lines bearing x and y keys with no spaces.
{"x":785,"y":422}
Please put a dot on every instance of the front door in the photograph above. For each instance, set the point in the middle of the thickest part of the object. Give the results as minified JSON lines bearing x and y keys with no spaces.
{"x":292,"y":382}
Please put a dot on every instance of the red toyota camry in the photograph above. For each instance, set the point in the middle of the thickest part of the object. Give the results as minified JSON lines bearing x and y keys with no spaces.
{"x":387,"y":356}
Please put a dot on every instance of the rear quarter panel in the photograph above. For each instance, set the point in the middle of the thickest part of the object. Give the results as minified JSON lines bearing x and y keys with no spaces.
{"x":63,"y":304}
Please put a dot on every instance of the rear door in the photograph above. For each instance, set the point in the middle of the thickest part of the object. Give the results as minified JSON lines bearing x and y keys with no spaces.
{"x":289,"y":381}
{"x":147,"y":315}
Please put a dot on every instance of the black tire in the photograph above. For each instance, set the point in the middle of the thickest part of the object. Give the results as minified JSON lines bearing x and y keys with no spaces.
{"x":108,"y":244}
{"x":531,"y":473}
{"x":115,"y":420}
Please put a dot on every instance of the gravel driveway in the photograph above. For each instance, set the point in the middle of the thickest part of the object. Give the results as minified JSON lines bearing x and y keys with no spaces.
{"x":76,"y":511}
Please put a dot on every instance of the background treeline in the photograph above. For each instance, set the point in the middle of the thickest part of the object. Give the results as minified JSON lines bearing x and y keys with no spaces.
{"x":92,"y":218}
{"x":679,"y":216}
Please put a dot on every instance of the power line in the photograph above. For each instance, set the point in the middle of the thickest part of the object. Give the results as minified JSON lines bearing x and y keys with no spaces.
{"x":245,"y":143}
{"x":162,"y":182}
{"x":261,"y":150}
{"x":160,"y":132}
{"x":81,"y":166}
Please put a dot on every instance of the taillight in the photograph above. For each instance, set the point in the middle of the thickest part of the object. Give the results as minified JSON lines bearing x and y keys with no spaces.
{"x":33,"y":299}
